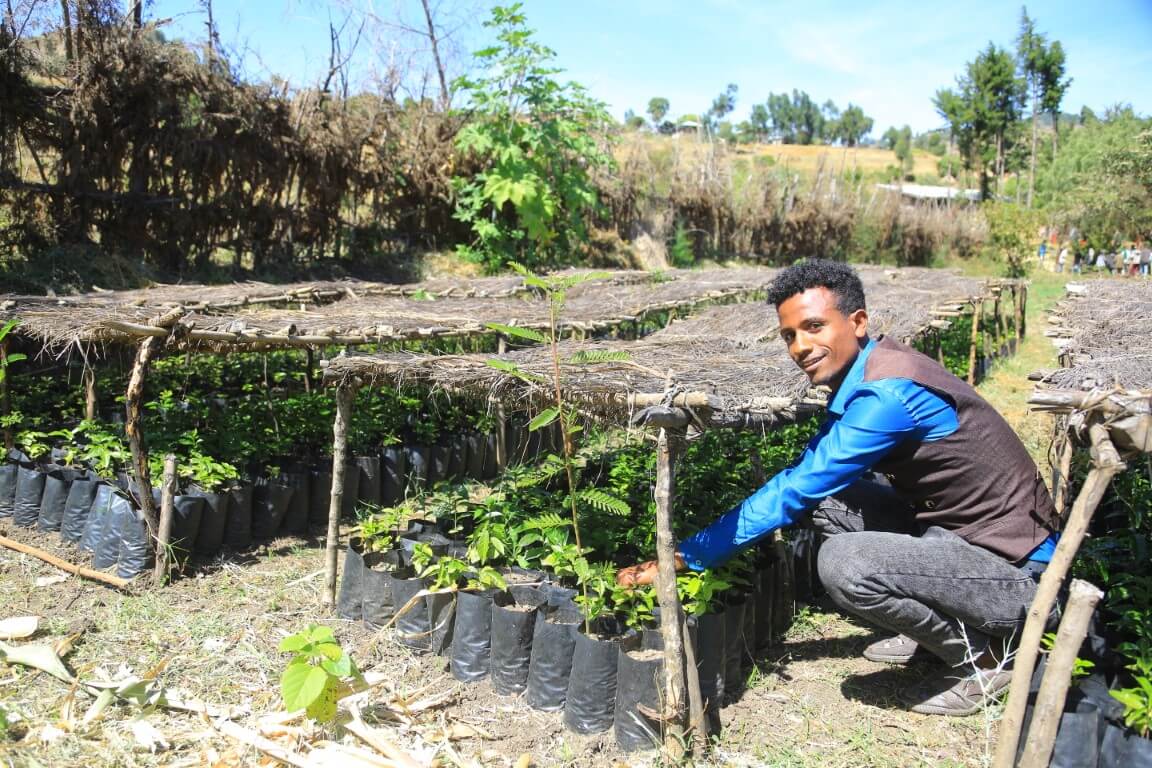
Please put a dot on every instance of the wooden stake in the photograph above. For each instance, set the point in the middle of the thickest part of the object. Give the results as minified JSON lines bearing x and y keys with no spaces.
{"x":344,"y":397}
{"x":90,"y":399}
{"x":1082,"y":600}
{"x":133,"y":400}
{"x":64,"y":565}
{"x":1106,"y":463}
{"x":5,"y":405}
{"x":1063,"y":471}
{"x":671,"y":615}
{"x":501,"y":437}
{"x":164,"y":539}
{"x":977,"y":311}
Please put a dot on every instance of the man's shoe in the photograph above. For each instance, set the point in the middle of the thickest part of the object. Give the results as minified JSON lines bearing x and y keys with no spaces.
{"x":892,"y":650}
{"x":956,"y":694}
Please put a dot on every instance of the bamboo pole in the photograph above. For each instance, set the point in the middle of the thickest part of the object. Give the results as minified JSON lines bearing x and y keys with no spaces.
{"x":164,"y":539}
{"x":1082,"y":600}
{"x":64,"y":565}
{"x":1106,"y":463}
{"x":671,"y":614}
{"x":977,"y":311}
{"x":344,"y":398}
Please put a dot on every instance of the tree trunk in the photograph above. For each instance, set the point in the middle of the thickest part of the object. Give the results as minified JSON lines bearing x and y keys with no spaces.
{"x":344,"y":397}
{"x":137,"y":14}
{"x":444,"y":95}
{"x":66,"y":17}
{"x":671,"y":619}
{"x":1032,"y":161}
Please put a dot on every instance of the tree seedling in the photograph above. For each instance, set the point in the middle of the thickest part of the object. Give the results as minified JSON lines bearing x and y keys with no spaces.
{"x":318,"y":674}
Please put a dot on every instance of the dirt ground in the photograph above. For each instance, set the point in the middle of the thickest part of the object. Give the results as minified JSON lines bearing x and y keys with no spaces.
{"x":813,"y":701}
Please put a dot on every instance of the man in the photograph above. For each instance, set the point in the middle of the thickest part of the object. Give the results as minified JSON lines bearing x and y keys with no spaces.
{"x":944,"y":553}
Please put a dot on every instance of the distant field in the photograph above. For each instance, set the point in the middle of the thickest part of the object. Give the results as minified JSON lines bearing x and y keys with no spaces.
{"x":804,"y":160}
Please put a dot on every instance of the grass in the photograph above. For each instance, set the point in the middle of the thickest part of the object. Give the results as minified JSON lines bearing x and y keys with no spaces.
{"x":1007,"y":386}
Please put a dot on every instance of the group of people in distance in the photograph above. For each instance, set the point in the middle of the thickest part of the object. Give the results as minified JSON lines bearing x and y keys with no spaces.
{"x":1074,"y":253}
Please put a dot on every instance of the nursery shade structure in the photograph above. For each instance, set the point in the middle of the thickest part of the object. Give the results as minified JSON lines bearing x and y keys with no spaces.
{"x":726,"y":363}
{"x":270,"y":317}
{"x":1102,"y":394}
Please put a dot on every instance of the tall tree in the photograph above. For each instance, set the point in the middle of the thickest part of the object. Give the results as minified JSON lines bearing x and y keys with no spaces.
{"x":759,"y":120}
{"x":809,"y":120}
{"x":783,"y":117}
{"x":903,"y":149}
{"x":1031,"y":53}
{"x":658,"y":107}
{"x":1053,"y":84}
{"x":722,"y":105}
{"x":830,"y":123}
{"x":854,"y":125}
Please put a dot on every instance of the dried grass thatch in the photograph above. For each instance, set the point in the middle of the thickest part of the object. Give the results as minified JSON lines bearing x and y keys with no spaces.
{"x":727,"y":361}
{"x":1103,"y":331}
{"x":254,"y":315}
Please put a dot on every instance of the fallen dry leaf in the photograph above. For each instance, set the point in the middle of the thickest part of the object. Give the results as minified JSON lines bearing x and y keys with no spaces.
{"x":147,"y":737}
{"x":19,"y":627}
{"x":47,"y":581}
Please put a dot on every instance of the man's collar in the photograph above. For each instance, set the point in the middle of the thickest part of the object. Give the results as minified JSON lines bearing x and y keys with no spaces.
{"x":851,"y":380}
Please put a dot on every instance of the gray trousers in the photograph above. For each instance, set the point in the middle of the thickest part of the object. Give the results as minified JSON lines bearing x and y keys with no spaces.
{"x":950,"y":596}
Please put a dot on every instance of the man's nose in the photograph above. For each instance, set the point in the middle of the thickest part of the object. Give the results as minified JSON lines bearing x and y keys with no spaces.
{"x":801,"y":345}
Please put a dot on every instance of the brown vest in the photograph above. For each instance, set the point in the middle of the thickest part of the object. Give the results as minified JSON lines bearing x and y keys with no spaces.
{"x":979,"y":482}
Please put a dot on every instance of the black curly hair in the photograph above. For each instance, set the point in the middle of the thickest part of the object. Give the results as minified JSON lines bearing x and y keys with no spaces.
{"x":836,"y":276}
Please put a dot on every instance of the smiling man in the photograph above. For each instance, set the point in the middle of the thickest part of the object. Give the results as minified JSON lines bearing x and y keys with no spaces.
{"x":940,"y":547}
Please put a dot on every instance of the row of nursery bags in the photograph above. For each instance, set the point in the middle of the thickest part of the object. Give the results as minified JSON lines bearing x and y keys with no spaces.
{"x":532,"y":639}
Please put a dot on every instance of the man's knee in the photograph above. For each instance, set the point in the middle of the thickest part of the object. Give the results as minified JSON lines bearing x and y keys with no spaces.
{"x":841,"y":567}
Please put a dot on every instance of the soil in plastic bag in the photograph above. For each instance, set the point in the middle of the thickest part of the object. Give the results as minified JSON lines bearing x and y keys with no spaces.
{"x":135,"y":548}
{"x":213,"y":519}
{"x":29,"y":491}
{"x":553,"y":645}
{"x":376,"y":588}
{"x":296,"y":518}
{"x":748,"y":634}
{"x":803,"y":543}
{"x":784,"y":605}
{"x":763,"y":598}
{"x":592,"y":684}
{"x":320,"y":498}
{"x":371,"y":479}
{"x":513,"y":624}
{"x":351,"y":495}
{"x":477,"y":446}
{"x":516,"y":436}
{"x":638,"y":676}
{"x":1122,"y":747}
{"x":412,"y":626}
{"x":56,"y":487}
{"x":76,"y":507}
{"x":417,"y":463}
{"x":7,"y":488}
{"x":116,"y":522}
{"x":710,"y":645}
{"x":472,"y":636}
{"x":187,"y":513}
{"x":349,"y":603}
{"x":490,"y":467}
{"x":270,"y":502}
{"x":437,"y":542}
{"x":441,"y":608}
{"x":733,"y":650}
{"x":238,"y":527}
{"x":438,"y":458}
{"x":393,"y":463}
{"x":96,"y":518}
{"x":457,"y":458}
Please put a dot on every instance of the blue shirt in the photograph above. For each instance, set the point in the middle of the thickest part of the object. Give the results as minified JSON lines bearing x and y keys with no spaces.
{"x":866,"y":420}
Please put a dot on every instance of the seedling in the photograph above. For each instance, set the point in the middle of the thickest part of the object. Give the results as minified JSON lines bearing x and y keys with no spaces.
{"x":318,"y":674}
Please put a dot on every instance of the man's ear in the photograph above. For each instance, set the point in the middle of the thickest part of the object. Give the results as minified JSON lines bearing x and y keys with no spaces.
{"x":859,"y":320}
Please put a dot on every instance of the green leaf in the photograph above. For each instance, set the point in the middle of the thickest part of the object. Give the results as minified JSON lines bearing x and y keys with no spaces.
{"x":16,"y":357}
{"x":295,"y":642}
{"x":323,"y":707}
{"x":598,"y":356}
{"x":522,"y":333}
{"x":604,"y":502}
{"x":340,"y":666}
{"x":301,"y":684}
{"x":543,"y":419}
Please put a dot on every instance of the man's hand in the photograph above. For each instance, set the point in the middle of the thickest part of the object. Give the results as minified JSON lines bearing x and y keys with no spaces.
{"x":643,"y":574}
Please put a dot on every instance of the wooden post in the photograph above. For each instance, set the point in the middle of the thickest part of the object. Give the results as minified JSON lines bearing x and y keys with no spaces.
{"x":671,"y":614}
{"x":164,"y":539}
{"x":977,"y":311}
{"x":501,"y":420}
{"x":133,"y":400}
{"x":5,"y":405}
{"x":1082,"y":600}
{"x":1063,"y":472}
{"x":1106,"y":463}
{"x":345,"y":394}
{"x":1023,"y":310}
{"x":90,"y":399}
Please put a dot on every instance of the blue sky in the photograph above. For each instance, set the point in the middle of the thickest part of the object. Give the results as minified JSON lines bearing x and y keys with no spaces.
{"x":889,"y":57}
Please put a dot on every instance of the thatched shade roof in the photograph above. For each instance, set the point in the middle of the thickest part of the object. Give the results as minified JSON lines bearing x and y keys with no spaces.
{"x":727,"y":361}
{"x":260,"y":316}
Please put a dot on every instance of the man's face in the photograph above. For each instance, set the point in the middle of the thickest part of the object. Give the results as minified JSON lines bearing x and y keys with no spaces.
{"x":821,"y":339}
